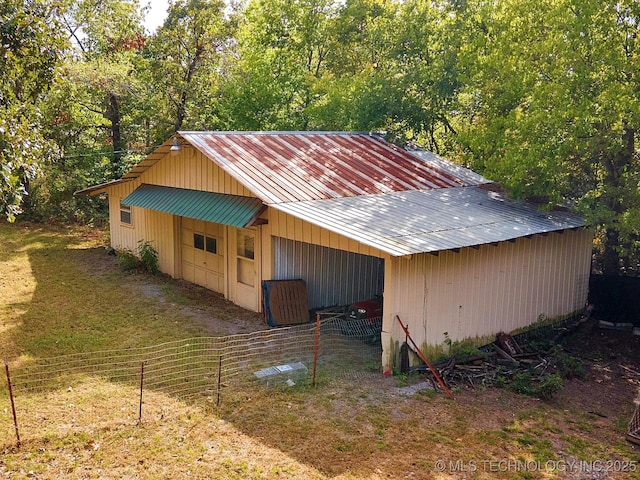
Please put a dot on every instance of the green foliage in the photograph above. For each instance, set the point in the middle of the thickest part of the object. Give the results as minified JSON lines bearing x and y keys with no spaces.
{"x":148,"y":256}
{"x":522,"y":383}
{"x":460,"y":349}
{"x":549,"y":385}
{"x":144,"y":258}
{"x":401,"y":379}
{"x":182,"y":66}
{"x":545,"y":387}
{"x":538,"y":95}
{"x":128,"y":260}
{"x":568,"y":366}
{"x":547,"y":107}
{"x":30,"y":45}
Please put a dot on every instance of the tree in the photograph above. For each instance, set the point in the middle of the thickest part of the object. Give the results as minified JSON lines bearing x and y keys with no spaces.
{"x":269,"y":75}
{"x":107,"y":35}
{"x":89,"y":110}
{"x":183,"y":57}
{"x":550,"y":108}
{"x":30,"y":46}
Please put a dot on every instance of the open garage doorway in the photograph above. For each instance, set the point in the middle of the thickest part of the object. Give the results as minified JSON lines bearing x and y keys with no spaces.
{"x":333,"y":277}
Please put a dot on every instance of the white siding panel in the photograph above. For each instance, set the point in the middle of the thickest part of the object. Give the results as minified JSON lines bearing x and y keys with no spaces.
{"x":479,"y":292}
{"x":333,"y":277}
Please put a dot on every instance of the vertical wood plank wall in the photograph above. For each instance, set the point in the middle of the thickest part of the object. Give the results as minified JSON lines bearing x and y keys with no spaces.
{"x":149,"y":225}
{"x":189,"y":169}
{"x":286,"y":226}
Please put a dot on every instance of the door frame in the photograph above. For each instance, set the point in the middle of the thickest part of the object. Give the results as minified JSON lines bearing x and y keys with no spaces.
{"x":240,"y":293}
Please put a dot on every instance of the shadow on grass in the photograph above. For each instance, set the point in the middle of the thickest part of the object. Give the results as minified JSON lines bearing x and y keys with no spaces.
{"x":77,"y":300}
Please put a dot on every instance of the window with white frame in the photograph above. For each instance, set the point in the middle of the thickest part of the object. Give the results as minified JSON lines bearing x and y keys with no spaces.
{"x":125,"y":214}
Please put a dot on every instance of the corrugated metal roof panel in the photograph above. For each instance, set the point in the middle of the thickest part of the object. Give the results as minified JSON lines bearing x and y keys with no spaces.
{"x":100,"y":188}
{"x":301,"y":166}
{"x":468,"y":176}
{"x":231,"y":210}
{"x":403,"y":223}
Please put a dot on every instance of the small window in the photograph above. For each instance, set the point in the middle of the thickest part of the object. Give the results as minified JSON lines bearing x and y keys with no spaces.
{"x":198,"y":241}
{"x":125,"y":214}
{"x":211,"y":245}
{"x":246,"y":245}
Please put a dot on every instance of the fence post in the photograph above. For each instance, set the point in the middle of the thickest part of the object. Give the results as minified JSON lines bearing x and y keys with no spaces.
{"x":219,"y":380}
{"x":141,"y":384}
{"x":316,"y":347}
{"x":13,"y":405}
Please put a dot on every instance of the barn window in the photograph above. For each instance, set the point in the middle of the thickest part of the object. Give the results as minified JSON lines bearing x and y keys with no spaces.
{"x":245,"y":245}
{"x":125,"y":214}
{"x":211,"y":245}
{"x":198,"y":241}
{"x":201,"y":242}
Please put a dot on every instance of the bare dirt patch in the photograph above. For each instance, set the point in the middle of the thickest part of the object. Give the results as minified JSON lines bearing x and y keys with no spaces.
{"x":203,"y":306}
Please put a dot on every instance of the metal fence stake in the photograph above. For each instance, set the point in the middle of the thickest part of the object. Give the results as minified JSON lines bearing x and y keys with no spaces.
{"x":219,"y":380}
{"x":316,"y":347}
{"x":141,"y":384}
{"x":13,"y":404}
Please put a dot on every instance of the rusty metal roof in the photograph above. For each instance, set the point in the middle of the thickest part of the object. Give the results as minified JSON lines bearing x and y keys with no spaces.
{"x":364,"y":188}
{"x":404,"y":223}
{"x":302,"y":166}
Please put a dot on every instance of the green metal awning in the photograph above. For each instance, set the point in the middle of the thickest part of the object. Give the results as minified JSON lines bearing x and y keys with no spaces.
{"x":233,"y":210}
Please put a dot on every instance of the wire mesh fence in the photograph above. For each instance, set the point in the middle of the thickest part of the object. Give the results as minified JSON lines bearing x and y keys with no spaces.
{"x":211,"y":367}
{"x":633,"y":432}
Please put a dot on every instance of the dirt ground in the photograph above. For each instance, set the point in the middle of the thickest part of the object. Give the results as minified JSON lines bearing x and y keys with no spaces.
{"x":612,"y":358}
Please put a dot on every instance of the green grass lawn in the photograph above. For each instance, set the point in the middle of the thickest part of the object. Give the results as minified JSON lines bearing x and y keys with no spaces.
{"x":61,"y":294}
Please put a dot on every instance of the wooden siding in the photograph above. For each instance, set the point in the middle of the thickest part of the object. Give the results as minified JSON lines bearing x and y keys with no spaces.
{"x":478,"y":293}
{"x":190,"y":169}
{"x":286,"y":226}
{"x":200,"y":266}
{"x":149,"y":225}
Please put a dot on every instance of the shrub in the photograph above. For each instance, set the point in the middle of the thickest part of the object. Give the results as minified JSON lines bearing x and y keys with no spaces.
{"x":568,"y":365}
{"x":128,"y":260}
{"x":546,"y":387}
{"x":549,"y":386}
{"x":148,"y":256}
{"x":145,"y":258}
{"x":522,"y":383}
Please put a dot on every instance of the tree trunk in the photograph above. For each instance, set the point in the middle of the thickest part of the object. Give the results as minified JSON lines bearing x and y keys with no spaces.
{"x":610,"y":256}
{"x":615,"y":168}
{"x":181,"y":112}
{"x":113,"y":115}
